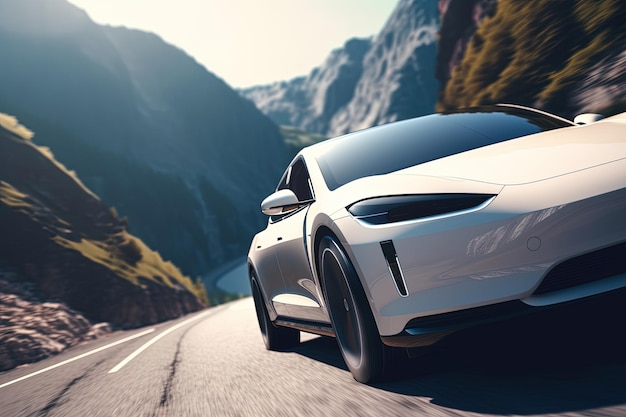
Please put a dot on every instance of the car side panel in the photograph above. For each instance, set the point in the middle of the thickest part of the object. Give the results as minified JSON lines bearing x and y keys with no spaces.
{"x":301,"y":293}
{"x":263,"y":256}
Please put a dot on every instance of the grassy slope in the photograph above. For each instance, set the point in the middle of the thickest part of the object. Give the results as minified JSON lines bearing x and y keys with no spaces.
{"x":54,"y":197}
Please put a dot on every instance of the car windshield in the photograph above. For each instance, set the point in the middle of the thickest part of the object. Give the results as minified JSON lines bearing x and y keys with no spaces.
{"x":384,"y":149}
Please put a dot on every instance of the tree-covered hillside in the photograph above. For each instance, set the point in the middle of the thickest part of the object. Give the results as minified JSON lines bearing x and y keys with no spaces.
{"x":537,"y":53}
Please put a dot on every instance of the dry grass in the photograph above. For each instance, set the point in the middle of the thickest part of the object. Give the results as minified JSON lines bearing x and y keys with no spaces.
{"x":11,"y":124}
{"x":12,"y":197}
{"x":149,"y":265}
{"x":42,"y":193}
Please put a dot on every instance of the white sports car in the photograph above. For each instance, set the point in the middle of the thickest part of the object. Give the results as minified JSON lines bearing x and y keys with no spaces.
{"x":398,"y":235}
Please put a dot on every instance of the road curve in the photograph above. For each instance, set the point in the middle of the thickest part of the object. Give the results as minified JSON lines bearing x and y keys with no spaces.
{"x":213,"y":363}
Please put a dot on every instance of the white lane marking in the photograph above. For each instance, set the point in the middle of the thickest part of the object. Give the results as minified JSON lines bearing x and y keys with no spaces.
{"x":100,"y":349}
{"x":156,"y":338}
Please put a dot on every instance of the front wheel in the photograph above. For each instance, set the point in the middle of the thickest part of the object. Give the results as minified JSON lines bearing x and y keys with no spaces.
{"x":275,"y":337}
{"x":353,"y":322}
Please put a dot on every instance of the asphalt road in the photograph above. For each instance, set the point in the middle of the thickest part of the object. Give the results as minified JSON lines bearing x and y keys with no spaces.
{"x":213,"y":363}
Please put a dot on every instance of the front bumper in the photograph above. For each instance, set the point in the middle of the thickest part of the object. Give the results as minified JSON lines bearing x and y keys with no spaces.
{"x":427,"y":331}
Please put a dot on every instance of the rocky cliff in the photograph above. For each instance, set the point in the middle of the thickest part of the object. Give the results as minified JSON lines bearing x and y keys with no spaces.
{"x":365,"y":83}
{"x":601,"y":88}
{"x":311,"y":101}
{"x":32,"y":329}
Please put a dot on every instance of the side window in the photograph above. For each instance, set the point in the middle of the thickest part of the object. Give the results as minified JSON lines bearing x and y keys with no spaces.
{"x":297,"y":180}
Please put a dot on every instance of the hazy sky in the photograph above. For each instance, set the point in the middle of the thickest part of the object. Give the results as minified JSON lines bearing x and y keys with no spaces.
{"x":248,"y":42}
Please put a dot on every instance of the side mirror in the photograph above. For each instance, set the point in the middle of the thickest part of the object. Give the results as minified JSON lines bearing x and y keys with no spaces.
{"x":280,"y":202}
{"x":587,"y":118}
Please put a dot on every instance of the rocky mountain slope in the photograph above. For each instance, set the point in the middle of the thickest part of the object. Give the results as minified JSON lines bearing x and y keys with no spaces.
{"x":310,"y":102}
{"x":566,"y":57}
{"x":365,"y":83}
{"x":152,"y":132}
{"x":60,"y":242}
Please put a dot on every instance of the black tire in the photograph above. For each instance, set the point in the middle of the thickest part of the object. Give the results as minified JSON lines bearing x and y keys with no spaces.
{"x":275,"y":337}
{"x":350,"y":314}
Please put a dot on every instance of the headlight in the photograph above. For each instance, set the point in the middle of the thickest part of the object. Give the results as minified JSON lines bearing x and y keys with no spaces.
{"x":381,"y":210}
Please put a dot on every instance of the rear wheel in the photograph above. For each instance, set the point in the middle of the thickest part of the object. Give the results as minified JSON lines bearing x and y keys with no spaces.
{"x":275,"y":337}
{"x":355,"y":329}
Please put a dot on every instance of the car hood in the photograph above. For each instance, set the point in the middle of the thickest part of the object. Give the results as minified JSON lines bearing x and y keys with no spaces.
{"x":536,"y":157}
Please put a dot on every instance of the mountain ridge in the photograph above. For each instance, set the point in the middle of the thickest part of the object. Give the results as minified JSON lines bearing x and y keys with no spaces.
{"x":104,"y":96}
{"x":309,"y":102}
{"x":393,"y":79}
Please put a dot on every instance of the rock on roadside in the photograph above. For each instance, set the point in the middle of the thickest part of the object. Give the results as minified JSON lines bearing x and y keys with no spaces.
{"x":31,"y":331}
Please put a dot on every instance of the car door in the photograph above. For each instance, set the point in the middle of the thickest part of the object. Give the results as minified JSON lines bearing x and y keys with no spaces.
{"x":301,"y":296}
{"x":266,"y":264}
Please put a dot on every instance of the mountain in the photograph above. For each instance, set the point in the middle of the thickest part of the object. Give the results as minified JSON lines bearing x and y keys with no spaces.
{"x":61,"y":243}
{"x":310,"y":102}
{"x":366,"y":82}
{"x":167,"y":143}
{"x":566,"y":57}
